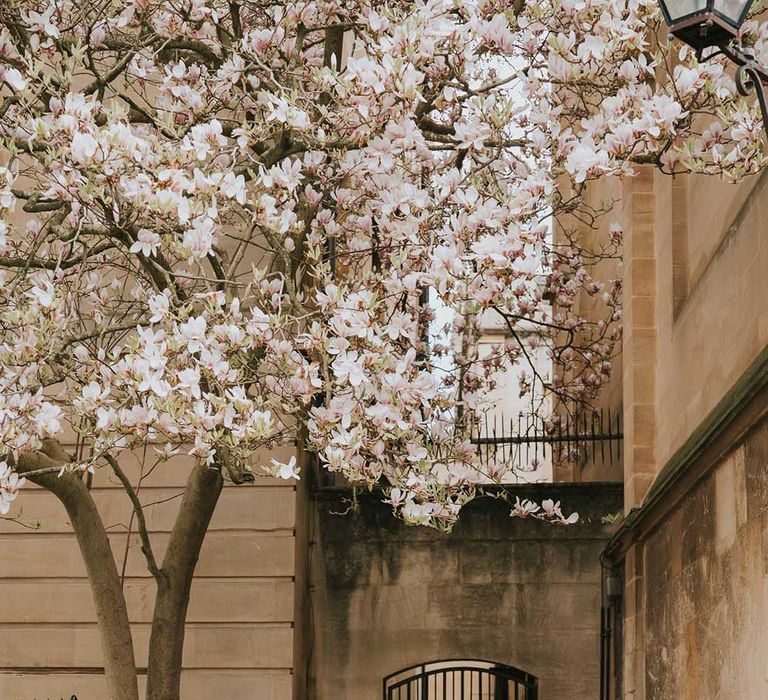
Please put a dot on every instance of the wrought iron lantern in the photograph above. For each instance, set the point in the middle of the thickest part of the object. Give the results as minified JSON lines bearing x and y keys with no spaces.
{"x":715,"y":23}
{"x":705,"y":23}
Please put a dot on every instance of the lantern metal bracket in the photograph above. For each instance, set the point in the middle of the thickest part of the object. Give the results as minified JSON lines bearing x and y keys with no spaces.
{"x":710,"y":25}
{"x":750,"y":77}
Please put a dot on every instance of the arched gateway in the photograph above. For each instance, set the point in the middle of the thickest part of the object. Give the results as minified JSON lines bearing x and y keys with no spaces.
{"x":460,"y":679}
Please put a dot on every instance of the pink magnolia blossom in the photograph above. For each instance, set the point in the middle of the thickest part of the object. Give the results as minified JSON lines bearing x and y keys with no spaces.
{"x":146,"y":243}
{"x":524,"y":508}
{"x":244,"y":244}
{"x":10,"y":483}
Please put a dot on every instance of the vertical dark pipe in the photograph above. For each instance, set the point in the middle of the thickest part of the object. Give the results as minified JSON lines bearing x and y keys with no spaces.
{"x":608,"y":640}
{"x":602,"y":651}
{"x":594,"y":434}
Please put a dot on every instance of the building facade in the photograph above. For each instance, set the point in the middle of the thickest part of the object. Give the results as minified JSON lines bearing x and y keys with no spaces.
{"x":239,"y":640}
{"x":294,"y":600}
{"x":693,"y":545}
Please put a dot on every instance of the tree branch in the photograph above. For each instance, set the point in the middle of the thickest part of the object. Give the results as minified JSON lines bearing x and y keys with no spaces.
{"x":196,"y":47}
{"x":146,"y":545}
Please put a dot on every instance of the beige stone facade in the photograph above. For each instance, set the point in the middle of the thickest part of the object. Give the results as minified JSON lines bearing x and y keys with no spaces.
{"x":240,"y":636}
{"x":692,"y":383}
{"x":692,"y":545}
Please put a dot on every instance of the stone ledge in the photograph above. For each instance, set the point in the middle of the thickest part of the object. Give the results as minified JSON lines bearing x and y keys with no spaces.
{"x":485,"y":518}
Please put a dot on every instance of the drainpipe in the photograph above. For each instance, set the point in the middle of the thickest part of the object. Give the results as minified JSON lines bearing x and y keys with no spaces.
{"x":610,"y":601}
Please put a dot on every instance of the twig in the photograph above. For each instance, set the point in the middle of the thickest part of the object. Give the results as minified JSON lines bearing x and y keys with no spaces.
{"x":146,"y":546}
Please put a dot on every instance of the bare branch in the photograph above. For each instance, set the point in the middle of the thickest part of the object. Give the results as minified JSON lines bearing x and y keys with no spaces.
{"x":146,"y":545}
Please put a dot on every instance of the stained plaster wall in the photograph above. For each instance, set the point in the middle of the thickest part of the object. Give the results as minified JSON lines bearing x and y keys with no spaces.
{"x":385,"y":595}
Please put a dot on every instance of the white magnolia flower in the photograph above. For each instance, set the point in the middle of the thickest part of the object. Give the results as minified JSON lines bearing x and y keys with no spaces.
{"x":44,"y":294}
{"x":200,"y":238}
{"x":193,"y":332}
{"x":159,"y":306}
{"x":146,"y":243}
{"x":524,"y":508}
{"x":38,"y":22}
{"x":284,"y":470}
{"x":83,"y":147}
{"x":348,"y":367}
{"x":585,"y":160}
{"x":10,"y":483}
{"x":205,"y":137}
{"x":48,"y":419}
{"x":12,"y":77}
{"x":233,"y":186}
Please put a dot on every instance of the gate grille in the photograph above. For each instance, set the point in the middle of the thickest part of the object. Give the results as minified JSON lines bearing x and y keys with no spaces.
{"x":460,"y":679}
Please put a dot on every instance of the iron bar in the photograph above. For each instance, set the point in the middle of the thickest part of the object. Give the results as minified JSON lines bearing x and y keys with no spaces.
{"x":546,"y":439}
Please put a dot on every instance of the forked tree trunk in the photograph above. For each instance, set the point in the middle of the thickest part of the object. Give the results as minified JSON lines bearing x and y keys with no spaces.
{"x":166,"y":642}
{"x":173,"y":583}
{"x":111,"y":612}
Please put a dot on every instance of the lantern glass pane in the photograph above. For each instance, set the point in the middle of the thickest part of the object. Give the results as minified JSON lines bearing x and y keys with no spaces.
{"x":732,"y":10}
{"x":679,"y":9}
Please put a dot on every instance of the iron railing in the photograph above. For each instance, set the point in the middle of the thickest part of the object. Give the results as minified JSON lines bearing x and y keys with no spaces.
{"x":528,"y":439}
{"x":460,"y":679}
{"x":522,"y":442}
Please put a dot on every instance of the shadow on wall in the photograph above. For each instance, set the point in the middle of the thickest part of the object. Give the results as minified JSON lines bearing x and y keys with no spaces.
{"x":525,"y":593}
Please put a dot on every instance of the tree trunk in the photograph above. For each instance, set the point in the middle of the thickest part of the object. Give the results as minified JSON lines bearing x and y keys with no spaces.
{"x":166,"y":642}
{"x":111,"y":612}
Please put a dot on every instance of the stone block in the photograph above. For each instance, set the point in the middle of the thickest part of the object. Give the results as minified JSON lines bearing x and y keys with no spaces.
{"x":241,"y":554}
{"x":211,"y":600}
{"x":643,"y":312}
{"x":643,"y":277}
{"x":205,"y":646}
{"x":241,"y":508}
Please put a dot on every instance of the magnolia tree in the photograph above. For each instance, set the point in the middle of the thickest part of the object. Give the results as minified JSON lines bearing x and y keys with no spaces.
{"x":226,"y":224}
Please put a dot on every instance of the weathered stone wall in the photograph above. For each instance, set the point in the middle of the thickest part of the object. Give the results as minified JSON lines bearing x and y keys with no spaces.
{"x":385,"y":595}
{"x":706,"y":581}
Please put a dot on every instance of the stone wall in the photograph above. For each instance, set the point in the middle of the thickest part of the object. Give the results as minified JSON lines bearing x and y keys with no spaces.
{"x":710,"y":336}
{"x":706,"y":585}
{"x":239,"y":640}
{"x":695,"y":317}
{"x":385,"y":595}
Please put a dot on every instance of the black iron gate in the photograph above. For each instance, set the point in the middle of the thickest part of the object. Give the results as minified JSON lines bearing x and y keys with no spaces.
{"x":460,"y":679}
